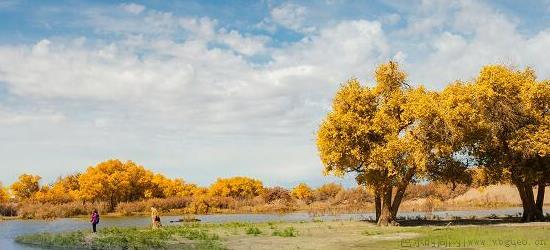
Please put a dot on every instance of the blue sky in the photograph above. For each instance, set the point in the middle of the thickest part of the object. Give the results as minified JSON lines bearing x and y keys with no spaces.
{"x":201,"y":89}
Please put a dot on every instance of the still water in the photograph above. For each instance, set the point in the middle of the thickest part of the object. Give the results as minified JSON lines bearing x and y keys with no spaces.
{"x":10,"y":229}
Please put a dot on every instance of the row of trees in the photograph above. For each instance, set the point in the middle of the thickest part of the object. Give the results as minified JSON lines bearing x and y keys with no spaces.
{"x":495,"y":128}
{"x":111,"y":181}
{"x":115,"y":181}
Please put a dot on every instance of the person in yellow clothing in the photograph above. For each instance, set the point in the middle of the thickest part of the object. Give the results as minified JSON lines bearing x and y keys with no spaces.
{"x":155,"y":218}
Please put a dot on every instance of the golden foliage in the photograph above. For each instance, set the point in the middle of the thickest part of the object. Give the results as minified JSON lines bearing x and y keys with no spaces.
{"x":381,"y":132}
{"x":236,"y":187}
{"x":165,"y":187}
{"x":115,"y":181}
{"x":25,"y":186}
{"x":303,"y":192}
{"x":64,"y":190}
{"x":4,"y":196}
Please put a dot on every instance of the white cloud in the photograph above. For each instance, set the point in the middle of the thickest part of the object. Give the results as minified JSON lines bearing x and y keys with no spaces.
{"x":291,"y":16}
{"x":185,"y":95}
{"x":480,"y":36}
{"x":390,"y":19}
{"x":10,"y":118}
{"x":132,"y":8}
{"x":203,"y":28}
{"x":247,"y":45}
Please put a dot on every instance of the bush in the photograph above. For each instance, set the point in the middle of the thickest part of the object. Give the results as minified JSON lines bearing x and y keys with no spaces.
{"x":435,"y":190}
{"x":253,"y":231}
{"x":287,"y":232}
{"x":276,"y":193}
{"x":162,"y":204}
{"x":303,"y":192}
{"x":353,"y":196}
{"x":36,"y":210}
{"x":8,"y":209}
{"x":327,"y":191}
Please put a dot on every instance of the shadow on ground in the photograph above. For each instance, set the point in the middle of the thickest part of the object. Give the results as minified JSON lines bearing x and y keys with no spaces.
{"x":451,"y":222}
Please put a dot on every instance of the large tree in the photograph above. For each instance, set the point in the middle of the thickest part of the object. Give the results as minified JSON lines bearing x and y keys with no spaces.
{"x":388,"y":135}
{"x":26,"y":186}
{"x":502,"y":121}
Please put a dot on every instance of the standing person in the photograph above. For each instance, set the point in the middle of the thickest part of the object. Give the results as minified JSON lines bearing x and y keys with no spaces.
{"x":155,"y":218}
{"x":94,"y":220}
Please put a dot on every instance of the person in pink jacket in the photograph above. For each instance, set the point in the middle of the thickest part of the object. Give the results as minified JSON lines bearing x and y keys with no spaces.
{"x":94,"y":220}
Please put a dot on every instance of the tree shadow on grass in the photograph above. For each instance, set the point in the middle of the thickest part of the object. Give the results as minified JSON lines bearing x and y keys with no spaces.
{"x":454,"y":222}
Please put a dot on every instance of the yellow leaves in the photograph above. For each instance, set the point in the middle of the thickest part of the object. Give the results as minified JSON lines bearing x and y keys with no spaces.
{"x":64,"y":190}
{"x":25,"y":186}
{"x":302,"y":192}
{"x":382,"y":131}
{"x":389,"y":78}
{"x":117,"y":181}
{"x":533,"y":140}
{"x":4,"y":195}
{"x":236,"y":187}
{"x":379,"y":132}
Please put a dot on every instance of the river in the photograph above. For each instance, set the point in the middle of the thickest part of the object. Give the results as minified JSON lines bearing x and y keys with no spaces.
{"x":9,"y":229}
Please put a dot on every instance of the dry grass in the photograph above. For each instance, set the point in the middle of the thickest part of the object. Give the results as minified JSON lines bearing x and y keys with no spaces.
{"x":421,"y":198}
{"x":491,"y":196}
{"x":35,"y":210}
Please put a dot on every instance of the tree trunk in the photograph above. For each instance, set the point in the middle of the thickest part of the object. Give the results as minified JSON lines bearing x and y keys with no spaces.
{"x":540,"y":196}
{"x":385,"y":218}
{"x":112,"y":204}
{"x":523,"y":197}
{"x":536,"y":214}
{"x":401,"y":188}
{"x":530,"y":211}
{"x":377,"y":203}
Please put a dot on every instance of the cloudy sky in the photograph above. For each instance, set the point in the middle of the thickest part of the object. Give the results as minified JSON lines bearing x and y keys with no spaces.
{"x":201,"y":89}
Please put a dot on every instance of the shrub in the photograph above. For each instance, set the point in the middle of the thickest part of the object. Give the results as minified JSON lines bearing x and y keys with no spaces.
{"x":303,"y":192}
{"x":327,"y":191}
{"x":353,"y":196}
{"x":199,"y":205}
{"x":253,"y":231}
{"x":36,"y":210}
{"x":435,"y":190}
{"x":287,"y":232}
{"x":162,"y":204}
{"x":276,"y":193}
{"x":8,"y":209}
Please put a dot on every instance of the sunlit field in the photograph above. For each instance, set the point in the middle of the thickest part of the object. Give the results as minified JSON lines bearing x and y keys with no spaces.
{"x":303,"y":235}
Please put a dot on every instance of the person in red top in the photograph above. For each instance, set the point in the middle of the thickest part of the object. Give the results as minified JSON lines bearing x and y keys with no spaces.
{"x":94,"y":220}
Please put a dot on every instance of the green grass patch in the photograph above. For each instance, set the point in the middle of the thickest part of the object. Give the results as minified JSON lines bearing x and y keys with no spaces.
{"x":287,"y":232}
{"x":253,"y":231}
{"x":127,"y":238}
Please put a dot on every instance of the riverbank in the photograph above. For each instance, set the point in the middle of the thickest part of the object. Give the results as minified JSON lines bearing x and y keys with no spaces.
{"x":427,"y":198}
{"x":306,"y":235}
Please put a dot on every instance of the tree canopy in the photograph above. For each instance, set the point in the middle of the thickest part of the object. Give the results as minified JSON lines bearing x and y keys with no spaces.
{"x":25,"y":186}
{"x":501,"y":120}
{"x":387,"y":135}
{"x":236,"y":187}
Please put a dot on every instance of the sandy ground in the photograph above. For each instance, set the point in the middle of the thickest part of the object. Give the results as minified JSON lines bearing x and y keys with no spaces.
{"x":324,"y":235}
